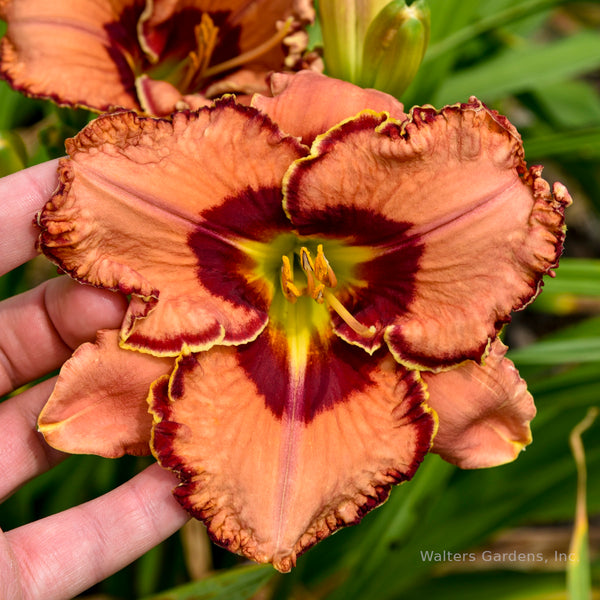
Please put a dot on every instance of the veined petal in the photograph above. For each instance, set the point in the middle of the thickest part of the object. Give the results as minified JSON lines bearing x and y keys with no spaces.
{"x":279,"y":443}
{"x":138,"y":202}
{"x":75,"y":52}
{"x":484,"y":411}
{"x":451,"y":193}
{"x":302,"y":103}
{"x":98,"y":405}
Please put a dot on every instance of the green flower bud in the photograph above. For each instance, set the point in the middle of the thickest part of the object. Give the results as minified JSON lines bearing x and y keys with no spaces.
{"x":344,"y":25}
{"x":374,"y":43}
{"x":394,"y":46}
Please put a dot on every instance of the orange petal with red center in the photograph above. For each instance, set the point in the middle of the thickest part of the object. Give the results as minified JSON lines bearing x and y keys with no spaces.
{"x":274,"y":458}
{"x":484,"y":411}
{"x":307,"y":104}
{"x":133,"y":213}
{"x":461,"y":232}
{"x":98,"y":405}
{"x":74,"y":52}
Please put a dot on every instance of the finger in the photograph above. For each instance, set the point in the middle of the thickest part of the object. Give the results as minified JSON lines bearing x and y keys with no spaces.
{"x":20,"y":443}
{"x":23,"y":195}
{"x":61,"y":556}
{"x":40,"y":328}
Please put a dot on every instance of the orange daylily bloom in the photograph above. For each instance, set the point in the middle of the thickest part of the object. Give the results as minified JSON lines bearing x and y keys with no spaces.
{"x":309,"y":321}
{"x":153,"y":56}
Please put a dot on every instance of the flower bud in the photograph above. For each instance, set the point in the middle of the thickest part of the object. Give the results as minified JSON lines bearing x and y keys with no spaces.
{"x":394,"y":46}
{"x":375,"y":43}
{"x":344,"y":24}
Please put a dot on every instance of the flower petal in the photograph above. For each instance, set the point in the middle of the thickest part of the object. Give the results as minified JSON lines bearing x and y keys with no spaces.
{"x":302,"y":104}
{"x":75,"y":52}
{"x":133,"y":211}
{"x":484,"y":411}
{"x":451,"y":193}
{"x":160,"y":98}
{"x":241,"y":82}
{"x":276,"y":452}
{"x":156,"y":97}
{"x":98,"y":405}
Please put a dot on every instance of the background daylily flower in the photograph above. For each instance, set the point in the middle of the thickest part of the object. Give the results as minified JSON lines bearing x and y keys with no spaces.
{"x":148,"y":55}
{"x":318,"y":306}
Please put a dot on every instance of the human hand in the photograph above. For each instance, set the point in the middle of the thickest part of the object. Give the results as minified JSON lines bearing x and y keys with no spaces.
{"x":64,"y":554}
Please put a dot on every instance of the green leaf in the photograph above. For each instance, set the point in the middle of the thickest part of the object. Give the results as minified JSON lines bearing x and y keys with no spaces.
{"x":449,"y":17}
{"x":584,"y":142}
{"x":490,"y":21}
{"x":576,"y":287}
{"x":392,"y":525}
{"x":578,"y":569}
{"x":570,"y":103}
{"x":16,"y":110}
{"x":576,"y":274}
{"x":524,"y":68}
{"x":494,"y":585}
{"x":236,"y":584}
{"x":12,"y":153}
{"x":558,"y":352}
{"x":579,"y":343}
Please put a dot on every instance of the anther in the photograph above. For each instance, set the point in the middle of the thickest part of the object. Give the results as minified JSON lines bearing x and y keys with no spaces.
{"x":288,"y":287}
{"x":323,"y":270}
{"x":308,"y":266}
{"x":318,"y":294}
{"x":206,"y":34}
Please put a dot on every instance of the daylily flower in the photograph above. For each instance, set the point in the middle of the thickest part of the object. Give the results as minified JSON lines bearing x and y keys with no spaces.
{"x":303,"y":315}
{"x":148,"y":55}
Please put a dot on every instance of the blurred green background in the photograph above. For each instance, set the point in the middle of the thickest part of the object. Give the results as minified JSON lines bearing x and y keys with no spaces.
{"x":538,"y":62}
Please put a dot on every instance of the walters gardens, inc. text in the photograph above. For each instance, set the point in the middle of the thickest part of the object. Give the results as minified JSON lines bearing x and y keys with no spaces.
{"x":487,"y":556}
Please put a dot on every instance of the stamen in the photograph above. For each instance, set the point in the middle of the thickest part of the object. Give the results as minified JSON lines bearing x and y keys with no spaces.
{"x":197,"y":64}
{"x":323,"y":270}
{"x":288,"y":287}
{"x":318,"y":294}
{"x":306,"y":260}
{"x":206,"y":39}
{"x":246,"y":57}
{"x":308,"y":266}
{"x":342,"y":311}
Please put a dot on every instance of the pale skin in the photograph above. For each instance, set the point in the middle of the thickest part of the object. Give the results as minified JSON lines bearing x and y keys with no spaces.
{"x":62,"y":555}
